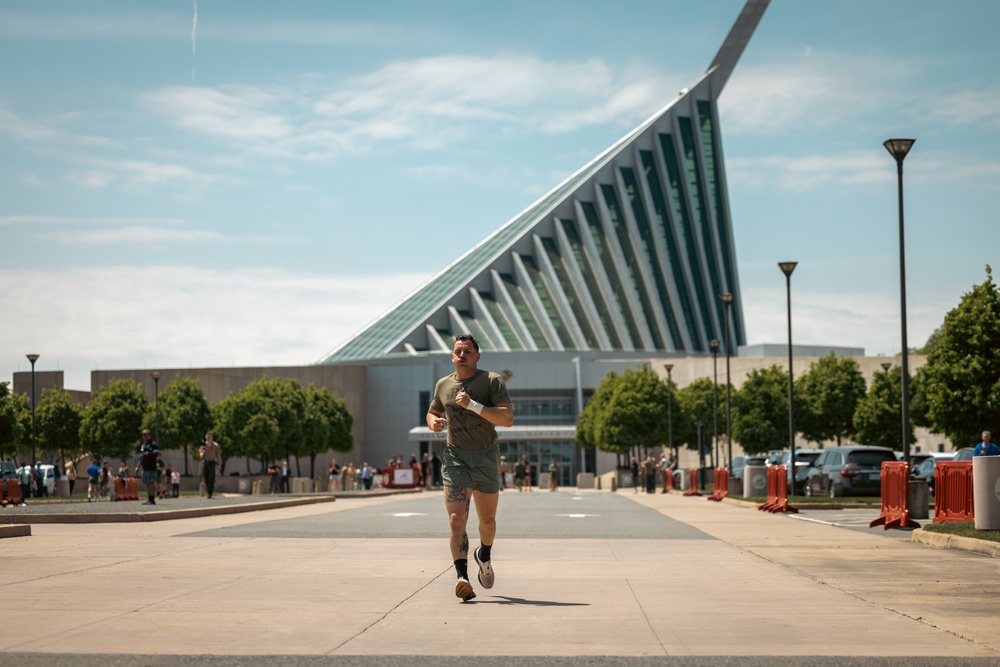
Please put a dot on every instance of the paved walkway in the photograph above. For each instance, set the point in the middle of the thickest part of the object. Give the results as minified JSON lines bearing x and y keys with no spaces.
{"x":627,"y":578}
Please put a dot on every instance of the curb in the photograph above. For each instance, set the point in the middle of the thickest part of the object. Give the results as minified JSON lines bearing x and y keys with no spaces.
{"x":956,"y":542}
{"x":15,"y":531}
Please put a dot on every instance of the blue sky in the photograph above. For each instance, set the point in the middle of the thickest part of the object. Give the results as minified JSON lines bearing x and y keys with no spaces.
{"x":250,"y":183}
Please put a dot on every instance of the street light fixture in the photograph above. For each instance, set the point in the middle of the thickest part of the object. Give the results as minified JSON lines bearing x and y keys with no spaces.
{"x":32,"y":358}
{"x":727,"y":301}
{"x":787,"y":268}
{"x":670,"y":413}
{"x":714,"y":345}
{"x":156,"y":404}
{"x":898,"y":148}
{"x":886,"y":366}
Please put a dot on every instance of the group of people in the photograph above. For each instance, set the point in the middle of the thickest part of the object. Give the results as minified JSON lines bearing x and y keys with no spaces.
{"x":645,"y":472}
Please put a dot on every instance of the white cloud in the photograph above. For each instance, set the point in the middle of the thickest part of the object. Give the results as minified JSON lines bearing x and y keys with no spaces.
{"x":853,"y":319}
{"x":142,"y":174}
{"x":816,"y":90}
{"x":167,"y":316}
{"x":19,"y":25}
{"x":429,"y":103}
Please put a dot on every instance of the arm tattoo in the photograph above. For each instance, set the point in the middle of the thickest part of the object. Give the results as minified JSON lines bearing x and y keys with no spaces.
{"x":456,"y":494}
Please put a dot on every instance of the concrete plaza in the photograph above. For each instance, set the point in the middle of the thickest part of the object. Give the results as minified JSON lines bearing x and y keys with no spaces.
{"x":618,"y":577}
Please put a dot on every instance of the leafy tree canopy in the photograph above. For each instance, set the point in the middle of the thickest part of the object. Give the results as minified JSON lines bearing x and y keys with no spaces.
{"x":112,"y":421}
{"x":826,"y":397}
{"x":962,"y":374}
{"x":184,"y":415}
{"x":12,"y":433}
{"x":877,"y":419}
{"x":57,"y":422}
{"x":760,"y":422}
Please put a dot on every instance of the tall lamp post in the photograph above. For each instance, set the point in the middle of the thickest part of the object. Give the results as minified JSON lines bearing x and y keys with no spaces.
{"x":156,"y":404}
{"x":787,"y":268}
{"x":714,"y":345}
{"x":898,"y":148}
{"x":32,"y":358}
{"x":727,"y":300}
{"x":579,"y":410}
{"x":670,"y":413}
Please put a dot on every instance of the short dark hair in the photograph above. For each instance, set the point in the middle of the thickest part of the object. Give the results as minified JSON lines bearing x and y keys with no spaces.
{"x":468,"y":337}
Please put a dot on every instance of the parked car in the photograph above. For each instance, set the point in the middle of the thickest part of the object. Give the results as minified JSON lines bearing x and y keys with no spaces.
{"x":927,"y":467}
{"x":964,"y":454}
{"x":48,"y":471}
{"x":850,"y":470}
{"x":804,"y":460}
{"x":7,"y":470}
{"x":741,"y":462}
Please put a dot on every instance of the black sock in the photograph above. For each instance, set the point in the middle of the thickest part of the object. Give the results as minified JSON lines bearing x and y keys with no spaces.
{"x":484,"y":552}
{"x":462,"y":567}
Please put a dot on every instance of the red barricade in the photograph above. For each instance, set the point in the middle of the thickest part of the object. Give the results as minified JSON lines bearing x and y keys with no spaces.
{"x":668,"y":481}
{"x":693,"y":484}
{"x":132,"y":488}
{"x":777,"y":491}
{"x":953,"y":492}
{"x":12,"y":496}
{"x":120,"y":493}
{"x":895,"y":497}
{"x":721,"y":484}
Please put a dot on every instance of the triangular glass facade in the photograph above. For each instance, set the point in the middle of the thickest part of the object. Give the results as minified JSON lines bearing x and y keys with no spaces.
{"x":628,"y":254}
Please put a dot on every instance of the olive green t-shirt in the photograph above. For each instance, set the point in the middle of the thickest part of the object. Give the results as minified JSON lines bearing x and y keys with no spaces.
{"x":466,"y":429}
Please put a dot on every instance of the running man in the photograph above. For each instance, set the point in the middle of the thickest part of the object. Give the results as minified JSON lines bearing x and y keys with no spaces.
{"x":471,"y":403}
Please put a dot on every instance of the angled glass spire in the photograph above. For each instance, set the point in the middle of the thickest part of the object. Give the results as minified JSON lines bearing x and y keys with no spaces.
{"x":629,"y":253}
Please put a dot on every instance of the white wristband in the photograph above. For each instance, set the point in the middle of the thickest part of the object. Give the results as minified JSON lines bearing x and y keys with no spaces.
{"x":475,"y":406}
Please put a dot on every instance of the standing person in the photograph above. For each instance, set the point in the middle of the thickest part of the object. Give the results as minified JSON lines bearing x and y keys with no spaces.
{"x":71,"y":476}
{"x":286,"y":477}
{"x":986,"y":448}
{"x":667,"y":466}
{"x":24,"y":475}
{"x":40,"y":489}
{"x":93,"y":481}
{"x":149,"y":454}
{"x":211,"y":456}
{"x":436,"y":465}
{"x":650,"y":474}
{"x":504,"y":471}
{"x":471,"y":403}
{"x":425,"y":470}
{"x":175,"y":483}
{"x":553,"y":475}
{"x":520,"y":473}
{"x":333,"y":474}
{"x":367,"y":472}
{"x":634,"y":470}
{"x":274,"y":473}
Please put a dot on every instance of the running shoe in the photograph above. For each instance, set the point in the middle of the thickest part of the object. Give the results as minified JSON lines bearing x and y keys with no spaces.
{"x":486,"y":576}
{"x":463,"y":589}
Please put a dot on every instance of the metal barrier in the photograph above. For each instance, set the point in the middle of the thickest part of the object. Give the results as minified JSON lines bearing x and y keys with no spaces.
{"x":953,"y":492}
{"x":693,"y":484}
{"x":720,"y":480}
{"x":895,"y":497}
{"x":777,"y":491}
{"x":11,"y":492}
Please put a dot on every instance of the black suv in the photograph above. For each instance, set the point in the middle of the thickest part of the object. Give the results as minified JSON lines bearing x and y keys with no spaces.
{"x":851,"y":470}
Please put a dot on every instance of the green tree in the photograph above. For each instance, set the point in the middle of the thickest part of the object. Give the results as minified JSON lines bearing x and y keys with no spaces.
{"x":112,"y":421}
{"x":635,"y":416}
{"x":12,"y":433}
{"x":327,"y":425}
{"x":760,"y":419}
{"x":589,"y":420}
{"x":826,"y":397}
{"x":57,"y":422}
{"x":695,"y":402}
{"x":962,"y":374}
{"x":878,"y":418}
{"x":185,"y":417}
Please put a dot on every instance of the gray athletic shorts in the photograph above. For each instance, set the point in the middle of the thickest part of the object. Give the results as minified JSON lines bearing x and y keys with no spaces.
{"x":478,"y":470}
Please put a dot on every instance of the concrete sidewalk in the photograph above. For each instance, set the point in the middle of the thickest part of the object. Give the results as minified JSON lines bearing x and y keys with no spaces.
{"x":764,"y":585}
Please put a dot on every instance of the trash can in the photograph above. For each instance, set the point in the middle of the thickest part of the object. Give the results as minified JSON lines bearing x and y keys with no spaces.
{"x":986,"y":492}
{"x":754,"y":481}
{"x":919,"y":499}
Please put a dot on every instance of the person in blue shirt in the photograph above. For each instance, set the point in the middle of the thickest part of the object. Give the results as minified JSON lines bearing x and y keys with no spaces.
{"x":94,"y":481}
{"x":986,"y":448}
